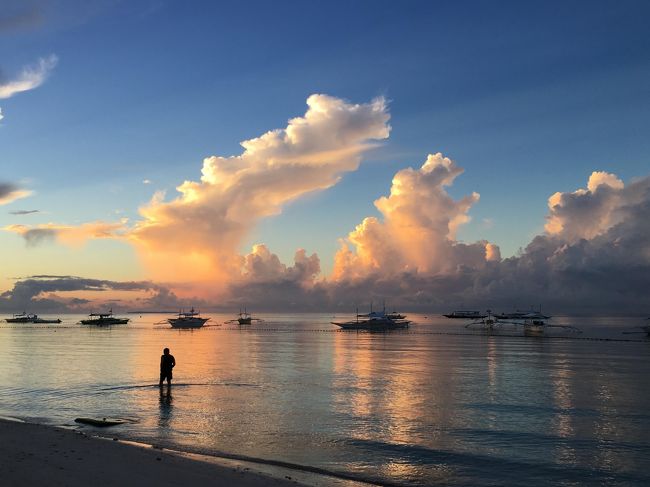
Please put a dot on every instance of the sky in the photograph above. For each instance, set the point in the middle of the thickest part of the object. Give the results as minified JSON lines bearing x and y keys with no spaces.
{"x":316,"y":155}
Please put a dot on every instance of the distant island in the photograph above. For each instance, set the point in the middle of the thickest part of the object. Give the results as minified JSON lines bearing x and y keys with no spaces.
{"x":151,"y":312}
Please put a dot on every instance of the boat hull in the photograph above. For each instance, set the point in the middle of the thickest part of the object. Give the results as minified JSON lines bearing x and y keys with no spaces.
{"x":105,"y":322}
{"x":461,"y":316}
{"x":373,"y":325}
{"x":187,"y":323}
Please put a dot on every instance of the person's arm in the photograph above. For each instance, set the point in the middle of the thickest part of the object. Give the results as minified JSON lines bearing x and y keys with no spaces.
{"x":162,"y":361}
{"x":173,"y":362}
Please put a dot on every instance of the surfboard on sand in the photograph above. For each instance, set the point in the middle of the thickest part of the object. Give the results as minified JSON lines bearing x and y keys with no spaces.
{"x":100,"y":422}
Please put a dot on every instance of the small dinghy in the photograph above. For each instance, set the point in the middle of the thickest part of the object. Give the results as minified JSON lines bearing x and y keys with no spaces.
{"x":100,"y":422}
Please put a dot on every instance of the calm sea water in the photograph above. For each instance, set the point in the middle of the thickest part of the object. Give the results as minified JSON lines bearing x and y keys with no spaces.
{"x":432,"y":405}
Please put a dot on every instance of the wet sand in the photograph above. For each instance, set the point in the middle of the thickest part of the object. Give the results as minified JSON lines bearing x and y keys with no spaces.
{"x":34,"y":454}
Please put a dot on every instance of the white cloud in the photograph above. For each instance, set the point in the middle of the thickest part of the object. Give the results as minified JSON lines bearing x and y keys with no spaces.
{"x":30,"y":77}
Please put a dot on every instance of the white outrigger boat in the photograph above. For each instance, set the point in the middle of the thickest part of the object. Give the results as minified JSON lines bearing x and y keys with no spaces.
{"x":535,"y":326}
{"x":244,"y":318}
{"x":487,"y":323}
{"x":190,"y":319}
{"x":523,"y":315}
{"x":375,"y":321}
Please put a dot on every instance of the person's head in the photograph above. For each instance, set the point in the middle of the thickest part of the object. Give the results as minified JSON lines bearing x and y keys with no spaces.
{"x":166,"y":351}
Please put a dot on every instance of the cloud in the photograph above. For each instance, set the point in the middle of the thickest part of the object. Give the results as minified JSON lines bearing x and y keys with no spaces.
{"x":146,"y":181}
{"x":593,"y":258}
{"x":30,"y":77}
{"x":9,"y":193}
{"x":417,"y":230}
{"x":70,"y":235}
{"x":23,"y":212}
{"x":200,"y":231}
{"x":49,"y":293}
{"x":590,"y":211}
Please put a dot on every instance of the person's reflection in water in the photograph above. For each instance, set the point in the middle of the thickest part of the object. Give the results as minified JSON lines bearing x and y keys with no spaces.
{"x":165,"y":404}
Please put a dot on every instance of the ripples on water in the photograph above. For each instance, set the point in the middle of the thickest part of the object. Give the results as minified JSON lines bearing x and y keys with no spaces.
{"x":430,"y":405}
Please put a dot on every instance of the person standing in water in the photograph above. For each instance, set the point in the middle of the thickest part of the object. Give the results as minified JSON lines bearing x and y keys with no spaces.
{"x":167,"y":363}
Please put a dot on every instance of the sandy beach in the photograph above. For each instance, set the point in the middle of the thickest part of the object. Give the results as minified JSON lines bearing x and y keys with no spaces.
{"x":34,"y":454}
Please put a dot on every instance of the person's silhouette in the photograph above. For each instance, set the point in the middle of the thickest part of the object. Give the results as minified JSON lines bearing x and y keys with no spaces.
{"x":167,"y":363}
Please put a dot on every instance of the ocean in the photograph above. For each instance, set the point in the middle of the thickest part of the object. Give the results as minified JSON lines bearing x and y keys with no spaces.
{"x":436,"y":404}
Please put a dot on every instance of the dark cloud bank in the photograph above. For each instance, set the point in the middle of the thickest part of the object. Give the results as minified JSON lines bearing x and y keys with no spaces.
{"x":42,"y":293}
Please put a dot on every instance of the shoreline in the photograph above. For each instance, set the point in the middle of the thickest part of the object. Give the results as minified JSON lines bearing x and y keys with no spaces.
{"x":39,"y":454}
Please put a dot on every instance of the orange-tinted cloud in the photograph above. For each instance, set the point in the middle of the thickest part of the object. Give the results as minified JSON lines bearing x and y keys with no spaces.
{"x":68,"y":234}
{"x":10,"y":192}
{"x":418,"y":228}
{"x":199,"y":232}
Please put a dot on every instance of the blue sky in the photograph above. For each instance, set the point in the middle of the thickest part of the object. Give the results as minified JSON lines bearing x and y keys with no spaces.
{"x":528,"y":98}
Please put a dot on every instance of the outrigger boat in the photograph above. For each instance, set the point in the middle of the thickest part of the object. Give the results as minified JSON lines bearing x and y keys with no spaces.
{"x":535,"y":326}
{"x":21,"y":318}
{"x":375,"y":321}
{"x":465,"y":315}
{"x":104,"y":319}
{"x":191,"y":319}
{"x":244,"y":318}
{"x":29,"y":318}
{"x":488,"y":322}
{"x":45,"y":320}
{"x":523,"y":315}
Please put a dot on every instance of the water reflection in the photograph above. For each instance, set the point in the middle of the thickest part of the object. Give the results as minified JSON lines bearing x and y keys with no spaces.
{"x":420,"y":406}
{"x":166,"y":406}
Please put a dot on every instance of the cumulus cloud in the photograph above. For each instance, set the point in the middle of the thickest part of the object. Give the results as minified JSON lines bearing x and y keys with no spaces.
{"x":263,"y":266}
{"x":200,"y":231}
{"x":591,"y":211}
{"x":593,"y":258}
{"x":417,"y":230}
{"x":10,"y":192}
{"x":30,"y":77}
{"x":594,"y":254}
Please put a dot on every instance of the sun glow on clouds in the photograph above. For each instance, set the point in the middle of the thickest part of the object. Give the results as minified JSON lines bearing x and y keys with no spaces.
{"x":69,"y":235}
{"x":596,"y":248}
{"x":198,"y":233}
{"x":10,"y":193}
{"x":418,"y":230}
